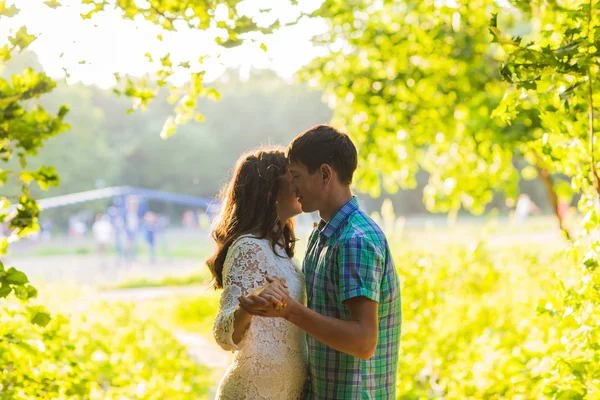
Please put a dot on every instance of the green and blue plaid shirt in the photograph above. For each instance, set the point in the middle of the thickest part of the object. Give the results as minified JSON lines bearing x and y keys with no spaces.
{"x":345,"y":258}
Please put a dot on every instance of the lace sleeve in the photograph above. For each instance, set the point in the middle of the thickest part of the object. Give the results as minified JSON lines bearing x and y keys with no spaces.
{"x":244,"y":270}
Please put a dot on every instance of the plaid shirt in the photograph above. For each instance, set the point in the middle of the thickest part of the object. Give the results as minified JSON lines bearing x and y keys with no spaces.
{"x":345,"y":258}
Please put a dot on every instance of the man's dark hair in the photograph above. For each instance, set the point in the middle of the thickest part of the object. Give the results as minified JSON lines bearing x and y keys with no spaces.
{"x":323,"y":144}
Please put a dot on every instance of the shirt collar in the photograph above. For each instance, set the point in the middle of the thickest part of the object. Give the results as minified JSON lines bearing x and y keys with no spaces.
{"x":328,"y":228}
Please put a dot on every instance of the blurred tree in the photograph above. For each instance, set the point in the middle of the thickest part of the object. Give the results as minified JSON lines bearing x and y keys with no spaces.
{"x":234,"y":23}
{"x":414,"y":83}
{"x":554,"y":70}
{"x":24,"y":127}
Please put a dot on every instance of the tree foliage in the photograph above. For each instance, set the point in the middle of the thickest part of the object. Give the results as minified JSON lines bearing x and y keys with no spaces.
{"x":24,"y":127}
{"x":462,"y":90}
{"x":554,"y":70}
{"x":233,"y":25}
{"x":32,"y":371}
{"x":414,"y":83}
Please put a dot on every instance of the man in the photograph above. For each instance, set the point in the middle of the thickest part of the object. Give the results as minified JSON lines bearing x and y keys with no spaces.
{"x":353,"y":292}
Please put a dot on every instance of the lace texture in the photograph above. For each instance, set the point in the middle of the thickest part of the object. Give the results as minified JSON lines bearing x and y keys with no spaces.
{"x":270,"y":362}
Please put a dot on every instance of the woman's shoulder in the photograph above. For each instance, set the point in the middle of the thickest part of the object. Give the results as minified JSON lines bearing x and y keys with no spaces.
{"x":248,"y":242}
{"x":247,"y":249}
{"x":249,"y":239}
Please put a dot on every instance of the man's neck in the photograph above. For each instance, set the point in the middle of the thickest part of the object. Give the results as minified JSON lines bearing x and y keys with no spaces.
{"x":334,"y":202}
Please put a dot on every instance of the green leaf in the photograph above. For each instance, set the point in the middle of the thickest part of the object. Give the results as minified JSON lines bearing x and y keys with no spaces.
{"x":27,"y":177}
{"x":31,"y":292}
{"x":5,"y":290}
{"x":506,"y":73}
{"x":41,"y":318}
{"x":590,"y":261}
{"x":21,"y":39}
{"x":213,"y":94}
{"x":3,"y":245}
{"x":98,"y":7}
{"x":529,"y":173}
{"x":166,"y":61}
{"x":5,"y":53}
{"x":8,"y":12}
{"x":81,"y":390}
{"x":20,"y":292}
{"x":570,"y":48}
{"x":26,"y":346}
{"x":16,"y":277}
{"x":52,"y":4}
{"x":527,"y":85}
{"x":169,"y":128}
{"x":23,"y":160}
{"x":494,"y":20}
{"x":263,"y":47}
{"x":570,"y":90}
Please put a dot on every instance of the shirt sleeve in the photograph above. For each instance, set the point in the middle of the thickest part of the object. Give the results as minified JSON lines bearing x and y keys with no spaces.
{"x":361,"y":268}
{"x":244,"y":270}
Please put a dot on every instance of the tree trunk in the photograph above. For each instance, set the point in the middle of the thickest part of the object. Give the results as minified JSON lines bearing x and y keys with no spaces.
{"x":552,"y":197}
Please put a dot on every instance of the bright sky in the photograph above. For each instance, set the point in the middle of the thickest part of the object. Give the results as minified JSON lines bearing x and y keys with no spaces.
{"x":110,"y":44}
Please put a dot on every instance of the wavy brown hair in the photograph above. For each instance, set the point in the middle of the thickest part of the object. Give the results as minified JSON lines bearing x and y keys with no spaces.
{"x":249,"y":207}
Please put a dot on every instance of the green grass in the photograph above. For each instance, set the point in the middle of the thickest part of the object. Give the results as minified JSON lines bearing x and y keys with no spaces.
{"x":190,"y":313}
{"x":471,"y":327}
{"x":199,"y":278}
{"x":178,"y":247}
{"x":59,"y":251}
{"x":106,"y":351}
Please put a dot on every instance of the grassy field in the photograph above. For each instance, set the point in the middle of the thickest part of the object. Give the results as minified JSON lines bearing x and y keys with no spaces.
{"x":474,"y":296}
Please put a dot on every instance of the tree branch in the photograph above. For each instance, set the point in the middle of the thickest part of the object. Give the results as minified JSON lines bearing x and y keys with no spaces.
{"x":595,"y":179}
{"x":548,"y":182}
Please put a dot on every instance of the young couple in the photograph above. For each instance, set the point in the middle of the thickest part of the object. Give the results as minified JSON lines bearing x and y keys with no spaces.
{"x":329,"y":329}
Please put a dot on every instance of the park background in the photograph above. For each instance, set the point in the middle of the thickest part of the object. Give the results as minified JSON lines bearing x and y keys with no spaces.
{"x":458,"y":109}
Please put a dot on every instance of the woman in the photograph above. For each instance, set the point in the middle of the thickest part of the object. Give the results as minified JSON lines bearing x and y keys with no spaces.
{"x":255,"y":239}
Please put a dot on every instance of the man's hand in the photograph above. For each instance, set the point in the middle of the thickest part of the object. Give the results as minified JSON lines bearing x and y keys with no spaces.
{"x":276,"y":292}
{"x":269,"y":301}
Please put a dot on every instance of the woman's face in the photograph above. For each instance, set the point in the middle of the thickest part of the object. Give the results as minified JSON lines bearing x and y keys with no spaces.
{"x":287,"y":202}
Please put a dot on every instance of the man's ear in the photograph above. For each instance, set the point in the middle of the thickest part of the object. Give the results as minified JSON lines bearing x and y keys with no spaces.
{"x":326,"y":173}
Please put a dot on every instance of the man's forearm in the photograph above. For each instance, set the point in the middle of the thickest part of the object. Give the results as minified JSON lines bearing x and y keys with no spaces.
{"x":349,"y":337}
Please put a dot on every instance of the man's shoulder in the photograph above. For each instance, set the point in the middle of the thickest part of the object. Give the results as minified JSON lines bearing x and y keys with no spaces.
{"x":361,"y":226}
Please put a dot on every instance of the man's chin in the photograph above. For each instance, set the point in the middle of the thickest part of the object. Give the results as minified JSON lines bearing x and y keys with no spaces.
{"x":307,"y":208}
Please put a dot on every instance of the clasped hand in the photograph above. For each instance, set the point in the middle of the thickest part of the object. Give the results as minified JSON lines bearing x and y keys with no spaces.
{"x":270,"y":300}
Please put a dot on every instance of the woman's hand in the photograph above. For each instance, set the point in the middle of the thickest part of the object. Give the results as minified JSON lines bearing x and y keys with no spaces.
{"x":270,"y":300}
{"x":276,"y":292}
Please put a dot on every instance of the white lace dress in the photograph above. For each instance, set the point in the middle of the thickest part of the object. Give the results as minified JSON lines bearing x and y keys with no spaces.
{"x":270,"y":362}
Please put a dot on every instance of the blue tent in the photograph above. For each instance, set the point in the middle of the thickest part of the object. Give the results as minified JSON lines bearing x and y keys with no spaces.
{"x":124,"y":191}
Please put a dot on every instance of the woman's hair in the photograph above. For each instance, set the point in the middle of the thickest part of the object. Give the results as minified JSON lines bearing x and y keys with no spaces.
{"x":249,"y":207}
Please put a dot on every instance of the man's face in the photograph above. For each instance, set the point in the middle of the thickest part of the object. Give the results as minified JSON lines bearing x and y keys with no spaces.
{"x":308,"y":187}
